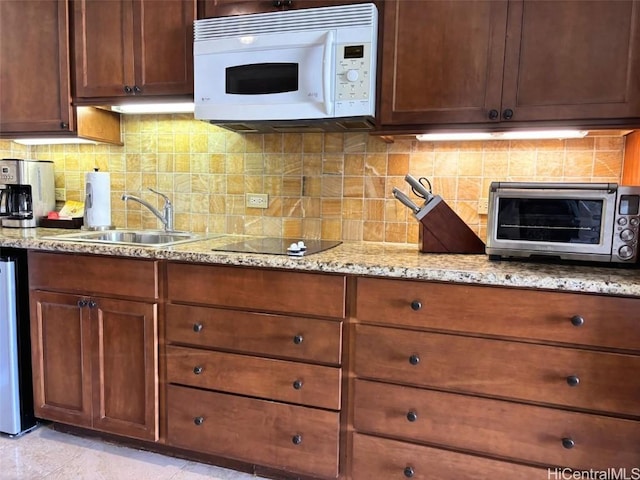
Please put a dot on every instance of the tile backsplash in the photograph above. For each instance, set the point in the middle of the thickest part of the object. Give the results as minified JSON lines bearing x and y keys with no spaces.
{"x":331,"y":186}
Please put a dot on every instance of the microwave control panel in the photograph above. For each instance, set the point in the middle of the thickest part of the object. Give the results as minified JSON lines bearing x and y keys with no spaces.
{"x":354,"y":84}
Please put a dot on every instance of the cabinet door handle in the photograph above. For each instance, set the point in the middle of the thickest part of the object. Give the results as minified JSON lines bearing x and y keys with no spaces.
{"x":493,"y":114}
{"x":412,"y":416}
{"x":197,"y":370}
{"x":297,"y":384}
{"x":577,"y":321}
{"x":408,"y":472}
{"x":507,"y":114}
{"x":296,"y":439}
{"x":127,"y":89}
{"x":568,"y":443}
{"x":414,"y":359}
{"x":573,"y":380}
{"x":416,"y":305}
{"x":137,"y":89}
{"x":92,"y":304}
{"x":198,"y":421}
{"x":64,"y":126}
{"x":197,"y":327}
{"x":298,"y":339}
{"x":82,"y":303}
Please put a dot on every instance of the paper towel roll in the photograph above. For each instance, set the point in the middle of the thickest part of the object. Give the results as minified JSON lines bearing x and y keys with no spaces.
{"x":97,"y":205}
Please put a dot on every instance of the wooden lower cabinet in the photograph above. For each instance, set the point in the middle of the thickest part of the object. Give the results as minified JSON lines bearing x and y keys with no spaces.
{"x":464,"y":381}
{"x":378,"y":458}
{"x":285,"y":437}
{"x":95,"y":358}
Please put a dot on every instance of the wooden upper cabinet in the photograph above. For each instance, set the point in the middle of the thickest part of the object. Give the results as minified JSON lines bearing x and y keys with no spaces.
{"x":133,"y":48}
{"x":34,"y":67}
{"x":441,"y":60}
{"x":489,"y":61}
{"x":225,"y":8}
{"x":572,"y":60}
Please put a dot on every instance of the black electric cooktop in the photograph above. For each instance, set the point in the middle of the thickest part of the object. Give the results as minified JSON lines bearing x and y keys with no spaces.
{"x":278,"y":246}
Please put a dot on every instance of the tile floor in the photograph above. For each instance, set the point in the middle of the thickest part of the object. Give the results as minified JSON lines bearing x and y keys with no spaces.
{"x":44,"y":454}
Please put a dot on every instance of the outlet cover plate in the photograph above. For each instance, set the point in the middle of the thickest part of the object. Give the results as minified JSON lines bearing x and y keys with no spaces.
{"x":483,"y":206}
{"x":257,"y":200}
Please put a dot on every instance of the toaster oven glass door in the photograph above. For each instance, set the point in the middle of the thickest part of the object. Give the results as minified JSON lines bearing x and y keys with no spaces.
{"x":559,"y":220}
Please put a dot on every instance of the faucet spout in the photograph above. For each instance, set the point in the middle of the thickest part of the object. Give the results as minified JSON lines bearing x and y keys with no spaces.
{"x":166,"y":217}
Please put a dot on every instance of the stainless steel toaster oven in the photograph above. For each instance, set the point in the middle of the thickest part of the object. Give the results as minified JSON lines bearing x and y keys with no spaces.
{"x":568,"y":221}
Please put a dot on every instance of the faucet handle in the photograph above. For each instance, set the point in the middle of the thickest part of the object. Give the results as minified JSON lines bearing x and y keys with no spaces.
{"x":166,"y":199}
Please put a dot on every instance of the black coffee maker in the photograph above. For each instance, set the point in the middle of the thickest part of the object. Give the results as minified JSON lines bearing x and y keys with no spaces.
{"x":27,"y":192}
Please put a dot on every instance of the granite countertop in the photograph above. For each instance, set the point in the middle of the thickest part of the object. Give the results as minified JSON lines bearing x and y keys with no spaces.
{"x":363,"y":258}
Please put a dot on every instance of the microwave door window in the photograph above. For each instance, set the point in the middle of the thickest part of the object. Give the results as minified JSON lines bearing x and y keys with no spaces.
{"x":550,"y":220}
{"x":262,"y":78}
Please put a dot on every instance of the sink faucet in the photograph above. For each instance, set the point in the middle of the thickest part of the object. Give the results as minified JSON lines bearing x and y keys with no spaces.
{"x":166,"y":217}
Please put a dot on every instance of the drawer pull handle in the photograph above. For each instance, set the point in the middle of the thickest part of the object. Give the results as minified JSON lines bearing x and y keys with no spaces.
{"x":568,"y":443}
{"x":298,"y":339}
{"x":416,"y":305}
{"x":197,"y":370}
{"x":409,"y":472}
{"x":297,"y":384}
{"x":577,"y":321}
{"x":412,"y":416}
{"x":198,"y":420}
{"x":297,"y":439}
{"x":573,"y":380}
{"x":197,"y":327}
{"x":414,"y":359}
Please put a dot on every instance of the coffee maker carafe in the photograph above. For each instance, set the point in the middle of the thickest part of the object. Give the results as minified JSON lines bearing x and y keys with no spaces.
{"x":27,"y":192}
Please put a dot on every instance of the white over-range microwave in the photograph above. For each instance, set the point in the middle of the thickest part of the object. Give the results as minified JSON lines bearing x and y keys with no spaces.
{"x":297,"y":70}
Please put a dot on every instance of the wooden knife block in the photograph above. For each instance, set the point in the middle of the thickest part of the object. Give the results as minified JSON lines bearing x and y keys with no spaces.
{"x":443,"y":231}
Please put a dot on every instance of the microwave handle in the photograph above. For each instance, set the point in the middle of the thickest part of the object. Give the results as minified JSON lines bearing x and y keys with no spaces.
{"x":327,"y":69}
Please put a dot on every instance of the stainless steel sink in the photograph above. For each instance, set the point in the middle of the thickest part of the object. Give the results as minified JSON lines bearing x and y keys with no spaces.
{"x":129,"y":237}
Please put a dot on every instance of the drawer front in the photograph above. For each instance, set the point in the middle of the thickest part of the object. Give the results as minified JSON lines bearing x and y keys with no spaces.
{"x":377,"y":458}
{"x":509,"y":430}
{"x":286,"y":437}
{"x":601,"y":321}
{"x":93,"y":274}
{"x":306,"y":339}
{"x":291,"y":382}
{"x":313,"y":294}
{"x":606,"y":381}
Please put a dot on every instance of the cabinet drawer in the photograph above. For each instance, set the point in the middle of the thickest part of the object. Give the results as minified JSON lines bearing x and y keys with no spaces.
{"x":312,"y":294}
{"x":510,"y":430}
{"x":93,"y":275}
{"x":529,"y":314}
{"x":607,"y":381}
{"x":286,"y":437}
{"x":306,"y":339}
{"x":377,"y":458}
{"x":282,"y":380}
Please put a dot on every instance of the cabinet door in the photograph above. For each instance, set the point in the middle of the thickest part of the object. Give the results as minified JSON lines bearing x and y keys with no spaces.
{"x":572,"y":60}
{"x":125,"y":370}
{"x":61,"y":341}
{"x":103,"y":48}
{"x":441,"y":61}
{"x":163,"y":46}
{"x":34,"y":67}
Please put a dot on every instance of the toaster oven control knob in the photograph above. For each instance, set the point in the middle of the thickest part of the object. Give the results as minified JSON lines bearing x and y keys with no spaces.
{"x":634,"y":222}
{"x":625,"y":251}
{"x":627,"y":234}
{"x":622,"y":221}
{"x":352,"y":75}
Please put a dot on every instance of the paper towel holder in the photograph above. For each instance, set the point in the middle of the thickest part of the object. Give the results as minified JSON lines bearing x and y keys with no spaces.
{"x":88,"y":204}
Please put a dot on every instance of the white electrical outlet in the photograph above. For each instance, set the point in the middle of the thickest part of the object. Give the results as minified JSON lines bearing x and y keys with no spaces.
{"x":483,"y":206}
{"x":257,"y":200}
{"x":61,"y":194}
